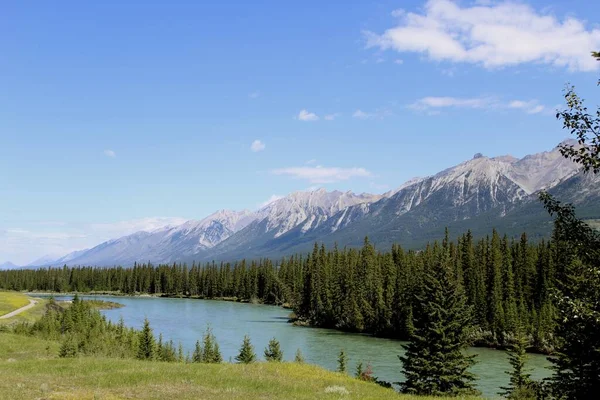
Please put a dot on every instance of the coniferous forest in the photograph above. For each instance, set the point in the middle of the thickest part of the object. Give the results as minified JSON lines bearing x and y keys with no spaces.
{"x":506,"y":282}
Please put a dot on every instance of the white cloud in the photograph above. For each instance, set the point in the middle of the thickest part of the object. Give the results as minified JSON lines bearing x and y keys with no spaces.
{"x":270,"y":200}
{"x":379,"y":113}
{"x":530,"y":107}
{"x":311,"y":162}
{"x":320,"y":174}
{"x":304,"y":115}
{"x":445,"y":102}
{"x":257,"y":146}
{"x":361,"y":114}
{"x":491,"y":35}
{"x":110,"y":153}
{"x":399,"y":61}
{"x":331,"y":117}
{"x":254,"y":95}
{"x":430,"y":104}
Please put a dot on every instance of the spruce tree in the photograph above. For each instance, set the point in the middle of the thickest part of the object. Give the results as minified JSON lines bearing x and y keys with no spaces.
{"x":435,"y":363}
{"x":68,"y":347}
{"x":197,"y":355}
{"x":299,"y":358}
{"x":273,"y":351}
{"x":246,"y":355}
{"x":146,"y":343}
{"x":342,"y":361}
{"x":359,"y":370}
{"x":210,"y":350}
{"x":520,"y":380}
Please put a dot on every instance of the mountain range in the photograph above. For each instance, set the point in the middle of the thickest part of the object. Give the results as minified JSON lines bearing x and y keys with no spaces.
{"x":478,"y":194}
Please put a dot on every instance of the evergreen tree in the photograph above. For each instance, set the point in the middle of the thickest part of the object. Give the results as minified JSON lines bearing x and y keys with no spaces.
{"x":299,"y":358}
{"x":342,"y":361}
{"x":359,"y":370}
{"x":68,"y":347}
{"x":577,"y":364}
{"x":210,"y":348}
{"x":197,"y":355}
{"x":273,"y":351}
{"x":246,"y":355}
{"x":521,"y":386}
{"x":180,"y":355}
{"x":434,"y":363}
{"x":146,"y":342}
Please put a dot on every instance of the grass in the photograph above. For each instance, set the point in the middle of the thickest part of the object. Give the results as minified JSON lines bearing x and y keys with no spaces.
{"x":30,"y":369}
{"x":10,"y":301}
{"x":30,"y":315}
{"x":103,"y":305}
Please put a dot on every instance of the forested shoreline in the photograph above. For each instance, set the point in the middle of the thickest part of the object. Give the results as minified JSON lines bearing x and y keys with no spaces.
{"x":507,"y":283}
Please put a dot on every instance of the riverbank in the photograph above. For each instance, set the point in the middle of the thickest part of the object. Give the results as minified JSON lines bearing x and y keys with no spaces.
{"x":31,"y":369}
{"x":483,"y":339}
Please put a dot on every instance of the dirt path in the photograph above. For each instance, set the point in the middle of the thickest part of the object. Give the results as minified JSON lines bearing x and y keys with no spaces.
{"x":19,"y":310}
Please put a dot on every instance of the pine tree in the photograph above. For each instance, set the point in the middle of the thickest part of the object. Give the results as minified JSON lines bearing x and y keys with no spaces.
{"x":197,"y":355}
{"x":359,"y":370}
{"x":520,"y":380}
{"x":342,"y":361}
{"x":246,"y":355}
{"x":68,"y":347}
{"x":273,"y":351}
{"x":434,"y":363}
{"x":146,"y":344}
{"x":299,"y":358}
{"x":180,"y":355}
{"x":210,"y":350}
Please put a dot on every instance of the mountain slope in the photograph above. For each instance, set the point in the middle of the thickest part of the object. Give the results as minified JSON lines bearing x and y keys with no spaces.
{"x":169,"y":243}
{"x":478,"y":194}
{"x":8,"y":265}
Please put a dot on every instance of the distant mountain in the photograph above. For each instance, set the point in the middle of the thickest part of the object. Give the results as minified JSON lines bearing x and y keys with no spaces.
{"x":169,"y":243}
{"x":8,"y":265}
{"x":478,"y":194}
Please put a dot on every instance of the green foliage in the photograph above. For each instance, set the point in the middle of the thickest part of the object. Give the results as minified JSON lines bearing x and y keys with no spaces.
{"x":197,"y":355}
{"x":434,"y":362}
{"x":68,"y":347}
{"x":246,"y":355}
{"x":299,"y":358}
{"x":359,"y":370}
{"x":507,"y":282}
{"x":520,"y":380}
{"x":585,"y":126}
{"x":273,"y":351}
{"x":342,"y":361}
{"x":146,"y":345}
{"x":577,"y":362}
{"x":210,"y":349}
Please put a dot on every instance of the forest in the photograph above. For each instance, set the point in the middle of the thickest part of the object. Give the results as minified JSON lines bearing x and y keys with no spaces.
{"x":507,"y":282}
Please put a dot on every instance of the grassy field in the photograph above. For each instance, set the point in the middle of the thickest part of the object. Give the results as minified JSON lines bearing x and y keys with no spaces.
{"x":10,"y":301}
{"x":27,"y":316}
{"x":30,"y":369}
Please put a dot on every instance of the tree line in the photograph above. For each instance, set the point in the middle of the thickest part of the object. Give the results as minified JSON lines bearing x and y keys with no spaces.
{"x":507,"y":282}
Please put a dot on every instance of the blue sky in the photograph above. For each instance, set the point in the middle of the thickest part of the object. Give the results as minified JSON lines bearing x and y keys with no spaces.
{"x":122,"y":116}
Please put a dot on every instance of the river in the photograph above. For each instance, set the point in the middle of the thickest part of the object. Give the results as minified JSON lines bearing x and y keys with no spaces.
{"x":185,"y":320}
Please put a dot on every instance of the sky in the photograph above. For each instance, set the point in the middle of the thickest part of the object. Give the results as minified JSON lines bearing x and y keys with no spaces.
{"x":119,"y":116}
